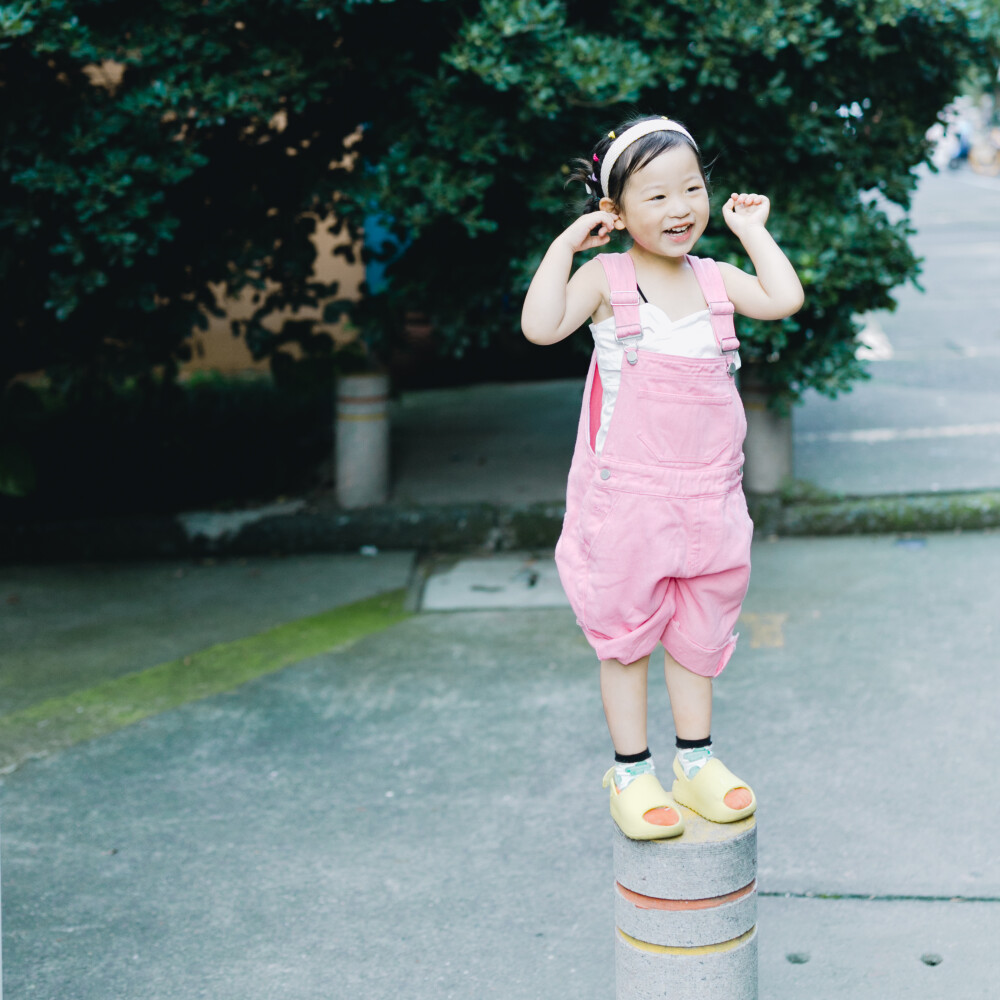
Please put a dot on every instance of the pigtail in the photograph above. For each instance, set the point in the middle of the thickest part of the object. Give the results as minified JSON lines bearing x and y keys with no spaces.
{"x":580,"y":171}
{"x":588,"y":173}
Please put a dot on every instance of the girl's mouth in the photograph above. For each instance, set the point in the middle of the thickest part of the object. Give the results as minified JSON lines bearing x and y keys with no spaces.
{"x":679,"y":233}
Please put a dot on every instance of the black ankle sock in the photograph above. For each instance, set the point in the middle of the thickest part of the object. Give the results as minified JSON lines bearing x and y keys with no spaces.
{"x":632,"y":758}
{"x":693,"y":744}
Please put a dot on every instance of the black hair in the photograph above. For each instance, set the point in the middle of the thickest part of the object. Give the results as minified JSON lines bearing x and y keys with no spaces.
{"x":635,"y":156}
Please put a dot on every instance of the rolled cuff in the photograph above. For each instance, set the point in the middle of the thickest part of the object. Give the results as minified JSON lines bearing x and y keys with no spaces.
{"x":702,"y":660}
{"x":627,"y":648}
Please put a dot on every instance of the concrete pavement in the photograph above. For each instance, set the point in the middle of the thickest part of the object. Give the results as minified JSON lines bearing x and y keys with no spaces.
{"x":63,"y":628}
{"x":418,"y":812}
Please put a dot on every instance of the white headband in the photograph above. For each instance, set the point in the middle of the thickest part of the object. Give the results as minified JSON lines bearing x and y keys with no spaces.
{"x":631,"y":135}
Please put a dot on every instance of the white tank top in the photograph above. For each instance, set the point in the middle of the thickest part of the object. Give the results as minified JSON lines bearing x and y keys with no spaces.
{"x":690,"y":337}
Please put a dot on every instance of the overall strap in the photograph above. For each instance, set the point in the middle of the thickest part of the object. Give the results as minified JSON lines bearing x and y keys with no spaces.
{"x":624,"y":301}
{"x":714,"y":289}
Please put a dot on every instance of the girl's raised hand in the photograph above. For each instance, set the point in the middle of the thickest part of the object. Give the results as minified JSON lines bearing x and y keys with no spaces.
{"x":744,"y":210}
{"x":581,"y":236}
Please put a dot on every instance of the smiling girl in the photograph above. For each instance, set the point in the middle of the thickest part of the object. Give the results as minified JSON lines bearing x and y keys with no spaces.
{"x":655,"y":546}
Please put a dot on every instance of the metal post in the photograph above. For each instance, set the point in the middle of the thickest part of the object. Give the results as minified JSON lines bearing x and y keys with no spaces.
{"x":686,"y":913}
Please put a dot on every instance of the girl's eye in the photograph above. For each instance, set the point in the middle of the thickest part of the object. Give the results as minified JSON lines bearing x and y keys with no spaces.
{"x":696,"y":187}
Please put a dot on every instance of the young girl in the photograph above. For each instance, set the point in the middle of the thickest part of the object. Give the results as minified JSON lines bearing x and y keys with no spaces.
{"x":655,"y":547}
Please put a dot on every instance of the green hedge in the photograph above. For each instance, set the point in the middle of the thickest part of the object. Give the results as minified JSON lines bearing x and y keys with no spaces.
{"x":212,"y":441}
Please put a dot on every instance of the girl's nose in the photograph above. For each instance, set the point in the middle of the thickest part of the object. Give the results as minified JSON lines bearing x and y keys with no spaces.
{"x":677,"y":206}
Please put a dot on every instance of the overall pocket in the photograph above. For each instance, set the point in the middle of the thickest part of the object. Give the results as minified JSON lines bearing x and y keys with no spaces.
{"x":595,"y":512}
{"x":686,"y":429}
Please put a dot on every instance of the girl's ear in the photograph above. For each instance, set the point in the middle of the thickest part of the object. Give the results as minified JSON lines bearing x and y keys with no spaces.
{"x":607,"y":205}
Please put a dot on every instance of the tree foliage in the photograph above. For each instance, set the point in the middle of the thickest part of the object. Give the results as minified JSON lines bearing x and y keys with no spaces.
{"x":121,"y":199}
{"x":984,"y":73}
{"x":823,"y":104}
{"x":233,"y":127}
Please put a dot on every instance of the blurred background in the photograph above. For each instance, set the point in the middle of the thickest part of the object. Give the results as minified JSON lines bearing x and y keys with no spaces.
{"x":210,"y":211}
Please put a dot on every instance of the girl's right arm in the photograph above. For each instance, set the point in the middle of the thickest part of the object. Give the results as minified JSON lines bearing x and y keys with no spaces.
{"x":557,"y":305}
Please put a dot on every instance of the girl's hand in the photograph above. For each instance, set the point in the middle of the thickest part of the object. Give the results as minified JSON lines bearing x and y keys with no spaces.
{"x":774,"y":291}
{"x":582,"y":236}
{"x":745,"y":210}
{"x":558,"y":303}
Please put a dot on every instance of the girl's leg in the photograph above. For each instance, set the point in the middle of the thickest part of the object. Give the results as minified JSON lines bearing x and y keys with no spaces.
{"x":691,"y":705}
{"x":623,"y":692}
{"x":690,"y":700}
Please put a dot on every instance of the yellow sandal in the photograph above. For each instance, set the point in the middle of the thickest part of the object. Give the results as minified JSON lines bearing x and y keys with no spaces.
{"x":706,"y":792}
{"x":629,"y":808}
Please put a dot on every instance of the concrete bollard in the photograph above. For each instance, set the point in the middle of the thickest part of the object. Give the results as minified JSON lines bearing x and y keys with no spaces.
{"x":686,"y":913}
{"x":768,"y":449}
{"x":362,"y":470}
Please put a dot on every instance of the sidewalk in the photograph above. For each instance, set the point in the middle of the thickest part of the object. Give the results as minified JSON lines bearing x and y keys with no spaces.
{"x":928,"y":421}
{"x":412,"y":807}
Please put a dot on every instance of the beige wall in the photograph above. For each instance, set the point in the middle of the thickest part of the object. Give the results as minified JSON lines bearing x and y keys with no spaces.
{"x":216,"y":349}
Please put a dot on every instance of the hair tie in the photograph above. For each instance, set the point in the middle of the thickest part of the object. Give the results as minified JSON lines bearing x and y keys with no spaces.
{"x":634,"y":133}
{"x":597,"y":159}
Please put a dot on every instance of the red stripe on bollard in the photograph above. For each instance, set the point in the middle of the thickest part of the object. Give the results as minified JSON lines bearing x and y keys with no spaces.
{"x":653,"y":903}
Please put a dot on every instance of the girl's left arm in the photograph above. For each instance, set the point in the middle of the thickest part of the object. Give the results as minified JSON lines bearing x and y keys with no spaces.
{"x":775,"y":291}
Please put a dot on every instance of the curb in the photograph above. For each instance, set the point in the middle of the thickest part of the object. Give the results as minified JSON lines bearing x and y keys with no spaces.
{"x":299,"y":527}
{"x":895,"y":514}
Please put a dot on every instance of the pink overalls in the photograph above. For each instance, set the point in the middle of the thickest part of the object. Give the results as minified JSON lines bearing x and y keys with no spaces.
{"x":655,"y":546}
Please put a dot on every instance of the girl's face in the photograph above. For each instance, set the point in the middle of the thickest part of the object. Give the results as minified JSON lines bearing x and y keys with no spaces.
{"x":665,"y":203}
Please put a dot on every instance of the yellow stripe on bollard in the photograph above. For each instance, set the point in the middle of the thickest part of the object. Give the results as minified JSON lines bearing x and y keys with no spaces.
{"x":705,"y":949}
